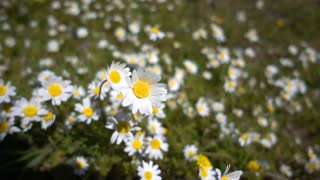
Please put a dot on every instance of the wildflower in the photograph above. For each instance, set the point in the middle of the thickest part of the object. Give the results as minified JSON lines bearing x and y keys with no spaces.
{"x":94,"y":90}
{"x":7,"y":127}
{"x":155,"y":33}
{"x":231,"y":176}
{"x":78,"y":92}
{"x":190,"y":152}
{"x":202,"y":108}
{"x":285,"y":169}
{"x":135,"y":144}
{"x":149,"y":171}
{"x":252,"y":35}
{"x":118,"y":76}
{"x":47,"y":119}
{"x":155,"y":147}
{"x":144,"y":92}
{"x":191,"y":66}
{"x":70,"y":120}
{"x":218,"y":33}
{"x":87,"y":112}
{"x":29,"y":111}
{"x":6,"y":91}
{"x":207,"y":174}
{"x":56,"y":89}
{"x":80,"y":165}
{"x":123,"y":128}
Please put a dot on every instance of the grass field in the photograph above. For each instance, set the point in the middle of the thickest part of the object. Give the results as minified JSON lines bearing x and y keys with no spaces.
{"x":242,"y":80}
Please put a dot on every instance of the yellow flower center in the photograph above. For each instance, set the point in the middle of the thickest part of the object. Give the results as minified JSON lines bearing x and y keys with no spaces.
{"x":191,"y":153}
{"x":153,"y":128}
{"x":30,"y":111}
{"x":123,"y":127}
{"x":102,"y":76}
{"x":312,"y":166}
{"x":88,"y":111}
{"x":48,"y":117}
{"x":172,"y":83}
{"x":115,"y":76}
{"x":155,"y":110}
{"x":79,"y":164}
{"x":155,"y":30}
{"x":245,"y":137}
{"x":230,"y":73}
{"x":55,"y":90}
{"x":3,"y":90}
{"x":200,"y":108}
{"x":141,"y":89}
{"x":155,"y":144}
{"x":96,"y":90}
{"x":4,"y":126}
{"x":70,"y":119}
{"x":137,"y":144}
{"x":222,"y":54}
{"x":76,"y":92}
{"x":231,"y":84}
{"x":120,"y":96}
{"x":148,"y":175}
{"x":225,"y":178}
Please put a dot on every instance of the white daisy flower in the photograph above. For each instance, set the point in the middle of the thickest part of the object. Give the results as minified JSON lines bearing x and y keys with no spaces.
{"x":70,"y":120}
{"x":82,"y":32}
{"x":190,"y":152}
{"x":149,"y":171}
{"x":116,"y":97}
{"x":120,"y":34}
{"x":154,"y":127}
{"x":190,"y":66}
{"x":231,"y":176}
{"x":144,"y":92}
{"x":118,"y":76}
{"x":123,"y":128}
{"x":6,"y":91}
{"x":45,"y":75}
{"x":207,"y":174}
{"x":230,"y":85}
{"x":286,"y":170}
{"x":202,"y":108}
{"x":223,"y":55}
{"x":252,"y":35}
{"x":221,"y":118}
{"x":155,"y":147}
{"x":218,"y":33}
{"x":233,"y":73}
{"x":29,"y":111}
{"x":78,"y":92}
{"x":94,"y":90}
{"x":56,"y":89}
{"x":155,"y":33}
{"x":80,"y":165}
{"x":134,"y":27}
{"x":158,"y":111}
{"x":217,"y":106}
{"x":53,"y":46}
{"x":48,"y":119}
{"x":173,"y":84}
{"x":7,"y":127}
{"x":152,"y":57}
{"x":87,"y":112}
{"x":135,"y":144}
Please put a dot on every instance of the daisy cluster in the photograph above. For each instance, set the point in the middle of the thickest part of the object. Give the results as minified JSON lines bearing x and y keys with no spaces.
{"x":181,"y":97}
